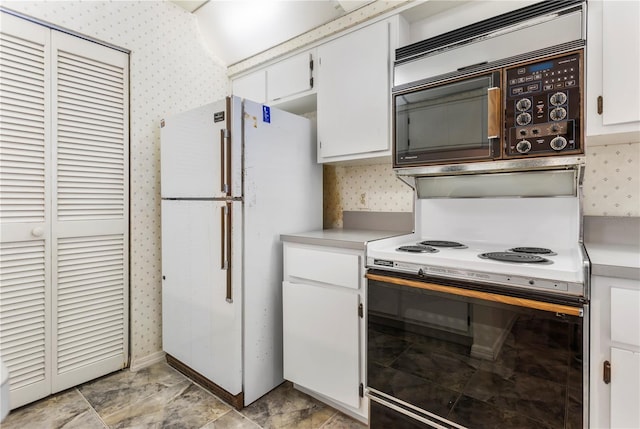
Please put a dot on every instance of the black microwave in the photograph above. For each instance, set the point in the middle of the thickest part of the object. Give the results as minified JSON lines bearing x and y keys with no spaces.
{"x":528,"y":109}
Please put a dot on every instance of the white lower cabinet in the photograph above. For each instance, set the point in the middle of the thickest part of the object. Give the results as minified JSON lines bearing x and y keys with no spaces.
{"x":323,"y":324}
{"x":615,"y":353}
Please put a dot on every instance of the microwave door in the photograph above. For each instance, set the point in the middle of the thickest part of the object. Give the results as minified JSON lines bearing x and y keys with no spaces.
{"x":446,"y":123}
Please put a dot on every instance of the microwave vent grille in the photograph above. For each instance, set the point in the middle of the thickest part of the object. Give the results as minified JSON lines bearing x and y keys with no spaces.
{"x":474,"y":31}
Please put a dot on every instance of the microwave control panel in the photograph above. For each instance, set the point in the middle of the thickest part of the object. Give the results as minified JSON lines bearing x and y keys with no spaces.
{"x":543,"y":107}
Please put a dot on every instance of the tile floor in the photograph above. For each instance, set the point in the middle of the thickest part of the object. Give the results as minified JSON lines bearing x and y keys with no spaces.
{"x":161,"y":397}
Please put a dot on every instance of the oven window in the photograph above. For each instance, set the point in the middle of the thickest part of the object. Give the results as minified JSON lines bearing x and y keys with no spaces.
{"x":473,"y":362}
{"x":443,"y":123}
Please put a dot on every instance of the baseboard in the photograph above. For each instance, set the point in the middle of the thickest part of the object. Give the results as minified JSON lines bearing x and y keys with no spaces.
{"x":236,"y":401}
{"x":139,"y":363}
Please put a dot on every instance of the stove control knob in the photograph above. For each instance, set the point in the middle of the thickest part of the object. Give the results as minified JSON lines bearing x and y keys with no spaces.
{"x":523,"y":146}
{"x":558,"y":143}
{"x":421,"y":272}
{"x":523,"y":104}
{"x":558,"y":98}
{"x":558,"y":114}
{"x":523,"y":118}
{"x":532,"y":282}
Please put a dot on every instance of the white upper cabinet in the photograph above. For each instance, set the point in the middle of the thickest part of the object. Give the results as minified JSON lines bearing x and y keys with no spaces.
{"x":290,"y":77}
{"x":354,"y":73}
{"x":252,"y":86}
{"x":613,"y":67}
{"x":287,"y":84}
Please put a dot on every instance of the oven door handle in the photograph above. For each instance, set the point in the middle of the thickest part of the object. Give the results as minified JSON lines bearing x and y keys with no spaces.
{"x":486,"y":296}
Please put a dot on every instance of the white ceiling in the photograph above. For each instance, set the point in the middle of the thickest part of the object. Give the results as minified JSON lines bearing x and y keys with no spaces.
{"x":237,"y":29}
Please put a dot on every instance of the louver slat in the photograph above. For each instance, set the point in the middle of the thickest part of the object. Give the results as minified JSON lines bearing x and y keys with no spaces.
{"x":90,"y":139}
{"x":91,"y":285}
{"x":22,"y":311}
{"x":22,"y":130}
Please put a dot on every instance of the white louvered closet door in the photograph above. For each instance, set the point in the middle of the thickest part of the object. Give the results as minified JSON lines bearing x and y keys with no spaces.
{"x":89,"y":209}
{"x":25,"y":227}
{"x":63,"y":209}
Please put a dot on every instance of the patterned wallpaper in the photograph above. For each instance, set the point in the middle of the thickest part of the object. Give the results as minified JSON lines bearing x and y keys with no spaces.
{"x":611,"y":184}
{"x":171,"y":72}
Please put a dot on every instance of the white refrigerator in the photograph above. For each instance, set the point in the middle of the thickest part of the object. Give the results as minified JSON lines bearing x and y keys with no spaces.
{"x":234,"y":176}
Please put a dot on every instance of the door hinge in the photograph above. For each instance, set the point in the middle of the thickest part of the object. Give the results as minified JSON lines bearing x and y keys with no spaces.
{"x":600,"y":105}
{"x":361,"y":390}
{"x":360,"y":310}
{"x":606,"y":372}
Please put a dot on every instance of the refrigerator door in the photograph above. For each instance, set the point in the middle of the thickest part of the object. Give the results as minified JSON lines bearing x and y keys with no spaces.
{"x":283,"y":194}
{"x":201,"y":297}
{"x":200,"y":152}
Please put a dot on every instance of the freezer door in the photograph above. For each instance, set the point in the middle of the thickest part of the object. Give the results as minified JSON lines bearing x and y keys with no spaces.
{"x":201,"y":297}
{"x":200,"y":152}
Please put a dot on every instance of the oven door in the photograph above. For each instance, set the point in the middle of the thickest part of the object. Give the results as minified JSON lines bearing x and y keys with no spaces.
{"x":448,"y":122}
{"x":446,"y":355}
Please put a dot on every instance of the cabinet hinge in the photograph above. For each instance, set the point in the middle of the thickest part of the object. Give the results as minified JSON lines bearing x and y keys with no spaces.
{"x":361,"y":390}
{"x":311,"y":64}
{"x":311,"y":82}
{"x":606,"y":372}
{"x":360,"y":310}
{"x":600,"y":105}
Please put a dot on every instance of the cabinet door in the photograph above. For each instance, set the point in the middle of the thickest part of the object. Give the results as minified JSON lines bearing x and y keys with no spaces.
{"x":625,"y":389}
{"x":289,"y":77}
{"x":613,"y":66}
{"x":321,"y":340}
{"x":620,"y":62}
{"x":353,"y":96}
{"x":251,"y":86}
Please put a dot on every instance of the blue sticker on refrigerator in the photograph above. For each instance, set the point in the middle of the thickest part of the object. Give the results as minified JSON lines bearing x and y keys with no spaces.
{"x":266,"y":114}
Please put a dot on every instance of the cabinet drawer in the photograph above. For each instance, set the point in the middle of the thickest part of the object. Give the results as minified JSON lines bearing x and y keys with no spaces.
{"x":340,"y":269}
{"x":625,"y":316}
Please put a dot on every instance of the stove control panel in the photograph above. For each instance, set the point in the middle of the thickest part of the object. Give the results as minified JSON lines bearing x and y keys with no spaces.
{"x":532,"y":283}
{"x":543,"y":107}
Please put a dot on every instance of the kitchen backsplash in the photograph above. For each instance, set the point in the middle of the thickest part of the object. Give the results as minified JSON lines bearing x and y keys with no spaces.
{"x":611,"y":186}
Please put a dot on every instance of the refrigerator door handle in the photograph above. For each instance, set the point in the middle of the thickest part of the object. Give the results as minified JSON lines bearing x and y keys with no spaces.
{"x":224,"y":154}
{"x":225,"y":243}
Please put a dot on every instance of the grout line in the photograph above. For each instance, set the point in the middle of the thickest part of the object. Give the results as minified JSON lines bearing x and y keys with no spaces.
{"x":328,"y":420}
{"x":91,"y":408}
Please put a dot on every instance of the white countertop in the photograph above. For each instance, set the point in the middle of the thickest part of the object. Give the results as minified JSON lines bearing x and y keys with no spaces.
{"x":338,"y":237}
{"x":613,"y":260}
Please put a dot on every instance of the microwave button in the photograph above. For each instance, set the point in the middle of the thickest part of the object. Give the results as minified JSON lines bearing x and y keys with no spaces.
{"x":523,"y":146}
{"x":558,"y":143}
{"x":523,"y":104}
{"x":523,"y":118}
{"x":557,"y":114}
{"x":558,"y":98}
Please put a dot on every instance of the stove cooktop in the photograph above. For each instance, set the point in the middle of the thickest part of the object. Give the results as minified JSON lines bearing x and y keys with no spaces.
{"x":559,"y":270}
